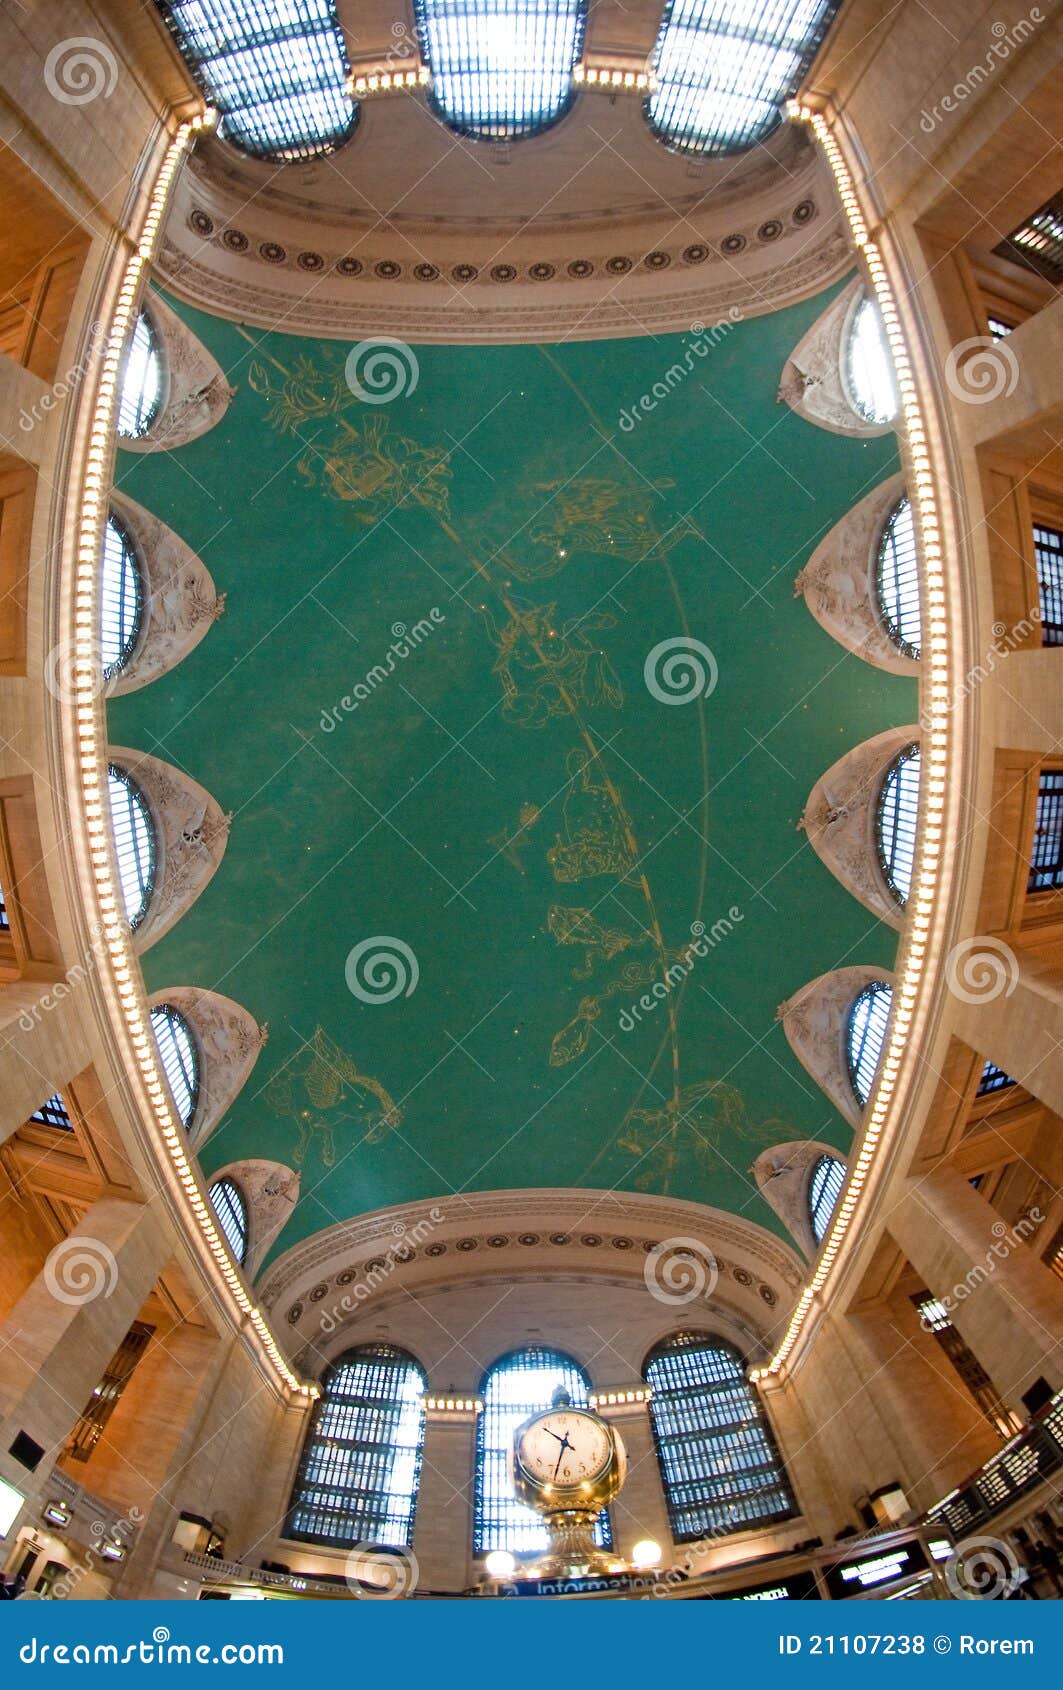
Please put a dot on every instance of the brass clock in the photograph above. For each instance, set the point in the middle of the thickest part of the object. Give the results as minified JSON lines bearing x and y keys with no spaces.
{"x":568,"y":1464}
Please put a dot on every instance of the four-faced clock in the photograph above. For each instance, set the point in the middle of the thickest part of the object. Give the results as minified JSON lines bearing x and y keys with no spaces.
{"x":564,"y":1452}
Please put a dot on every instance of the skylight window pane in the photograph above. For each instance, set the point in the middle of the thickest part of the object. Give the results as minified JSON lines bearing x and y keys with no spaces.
{"x":501,"y":69}
{"x":898,"y":818}
{"x":825,"y":1187}
{"x":53,"y":1113}
{"x":868,"y":1020}
{"x":177,"y":1053}
{"x":725,"y":68}
{"x":140,"y":393}
{"x":275,"y":73}
{"x":1046,"y":866}
{"x":1048,"y":550}
{"x":229,"y":1207}
{"x":872,"y":386}
{"x":993,"y":1079}
{"x":120,"y":598}
{"x":134,"y":843}
{"x":898,"y":581}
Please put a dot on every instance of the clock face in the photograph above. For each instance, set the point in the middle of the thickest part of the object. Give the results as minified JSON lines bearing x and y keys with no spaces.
{"x":565,"y":1449}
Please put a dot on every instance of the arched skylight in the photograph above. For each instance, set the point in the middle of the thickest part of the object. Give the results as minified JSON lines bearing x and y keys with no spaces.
{"x":231,"y":1211}
{"x":140,"y":383}
{"x":897,"y":581}
{"x":134,"y":843}
{"x":724,"y":68}
{"x":898,"y":816}
{"x":501,"y":69}
{"x":719,"y":1466}
{"x":517,"y":1386}
{"x":275,"y":74}
{"x":177,"y":1053}
{"x":361,"y":1465}
{"x":120,"y":598}
{"x":869,"y":366}
{"x":866,"y":1034}
{"x":824,"y":1189}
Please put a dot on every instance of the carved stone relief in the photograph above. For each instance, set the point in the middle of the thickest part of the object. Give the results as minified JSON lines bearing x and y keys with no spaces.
{"x":270,"y":1191}
{"x":814,"y":381}
{"x":197,"y":394}
{"x":840,"y":820}
{"x":782,"y":1174}
{"x":180,"y":599}
{"x":228,"y":1041}
{"x":839,"y":581}
{"x":815,"y":1022}
{"x":191,"y":834}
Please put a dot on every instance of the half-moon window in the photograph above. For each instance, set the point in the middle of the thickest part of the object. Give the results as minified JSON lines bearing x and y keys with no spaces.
{"x":725,"y":68}
{"x":140,"y":380}
{"x":824,"y":1189}
{"x":276,"y":75}
{"x":898,"y":819}
{"x":231,"y":1211}
{"x":177,"y":1053}
{"x":501,"y":69}
{"x":134,"y":843}
{"x":897,"y":581}
{"x":868,"y":1020}
{"x":121,"y":597}
{"x":869,"y":366}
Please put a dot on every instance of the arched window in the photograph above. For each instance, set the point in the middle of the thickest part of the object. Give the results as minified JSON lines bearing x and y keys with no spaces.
{"x":866,"y":1033}
{"x":869,"y":366}
{"x":134,"y":843}
{"x":724,"y":70}
{"x":897,"y":581}
{"x":517,"y":1386}
{"x":824,"y":1189}
{"x":719,"y":1466}
{"x":140,"y":383}
{"x":179,"y":1058}
{"x":898,"y":817}
{"x":361,"y":1463}
{"x":231,"y":1211}
{"x":501,"y":69}
{"x":121,"y":597}
{"x":276,"y":75}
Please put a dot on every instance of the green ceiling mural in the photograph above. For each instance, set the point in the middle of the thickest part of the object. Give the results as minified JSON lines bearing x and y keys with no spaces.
{"x":516,"y":714}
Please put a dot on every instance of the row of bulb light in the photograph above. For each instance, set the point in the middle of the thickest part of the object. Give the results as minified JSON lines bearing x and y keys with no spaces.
{"x":453,"y":1405}
{"x":613,"y":1399}
{"x":605,"y":75}
{"x":934,"y":739}
{"x":92,"y":748}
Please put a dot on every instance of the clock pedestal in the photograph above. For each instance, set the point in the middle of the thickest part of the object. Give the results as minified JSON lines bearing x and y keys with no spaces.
{"x":573,"y":1552}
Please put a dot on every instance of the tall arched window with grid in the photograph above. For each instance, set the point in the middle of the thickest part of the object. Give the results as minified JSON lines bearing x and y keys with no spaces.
{"x":720,"y":1468}
{"x":824,"y":1189}
{"x":517,"y":1386}
{"x":897,"y":822}
{"x":865,"y":1036}
{"x":361,"y":1465}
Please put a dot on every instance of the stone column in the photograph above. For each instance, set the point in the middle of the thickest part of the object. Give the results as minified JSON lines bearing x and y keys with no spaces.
{"x":640,"y":1510}
{"x":42,"y":1046}
{"x":1001,"y":1298}
{"x":63,"y":1331}
{"x":1021,"y":1029}
{"x":442,"y":1533}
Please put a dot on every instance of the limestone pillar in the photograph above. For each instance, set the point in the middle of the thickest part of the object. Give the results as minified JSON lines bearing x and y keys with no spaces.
{"x":1005,"y":1303}
{"x":62,"y":1332}
{"x":1021,"y":1029}
{"x":42,"y":1047}
{"x":442,"y":1534}
{"x":640,"y":1510}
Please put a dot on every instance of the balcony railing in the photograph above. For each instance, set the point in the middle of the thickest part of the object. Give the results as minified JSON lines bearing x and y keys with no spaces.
{"x":1023,"y":1464}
